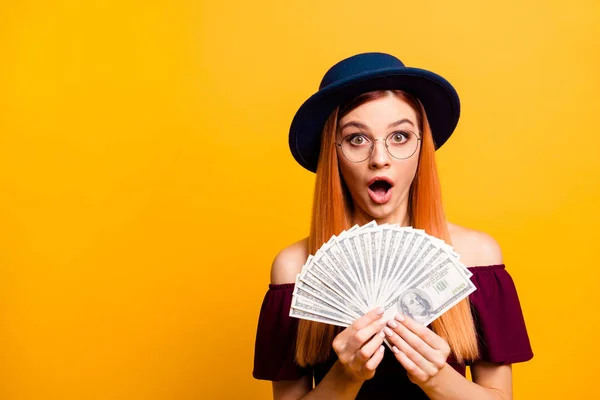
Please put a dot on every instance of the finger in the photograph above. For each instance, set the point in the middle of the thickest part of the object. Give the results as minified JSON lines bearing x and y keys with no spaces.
{"x":416,"y":342}
{"x":375,"y":360}
{"x":409,"y":365}
{"x":361,"y":336}
{"x":366,"y":352}
{"x":410,"y":352}
{"x":366,"y":319}
{"x":359,"y":323}
{"x":426,"y":334}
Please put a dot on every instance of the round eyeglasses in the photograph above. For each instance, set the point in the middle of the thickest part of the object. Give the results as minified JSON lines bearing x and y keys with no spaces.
{"x":358,"y":147}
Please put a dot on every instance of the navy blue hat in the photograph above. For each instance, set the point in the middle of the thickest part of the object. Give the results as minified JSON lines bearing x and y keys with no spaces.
{"x":363,"y":73}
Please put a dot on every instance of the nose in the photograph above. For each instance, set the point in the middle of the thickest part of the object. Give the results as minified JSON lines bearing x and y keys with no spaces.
{"x":380,"y":157}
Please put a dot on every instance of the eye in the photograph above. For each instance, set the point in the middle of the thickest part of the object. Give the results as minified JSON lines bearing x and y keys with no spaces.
{"x":399,"y":137}
{"x":357,"y":139}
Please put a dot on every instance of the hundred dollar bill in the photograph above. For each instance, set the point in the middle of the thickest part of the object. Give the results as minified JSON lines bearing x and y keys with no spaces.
{"x":415,"y":267}
{"x":323,"y":306}
{"x":427,"y":259}
{"x":342,"y":263}
{"x":342,"y":276}
{"x":312,"y":291}
{"x":380,"y":254}
{"x":371,"y":242}
{"x":397,"y":264}
{"x":448,"y":249}
{"x":324,"y":282}
{"x":303,"y":304}
{"x":366,"y":248}
{"x":382,"y":239}
{"x":432,"y":294}
{"x":325,"y":261}
{"x":398,"y":269}
{"x":355,"y":246}
{"x":331,"y":277}
{"x":390,"y":234}
{"x":346,"y":257}
{"x":308,"y":316}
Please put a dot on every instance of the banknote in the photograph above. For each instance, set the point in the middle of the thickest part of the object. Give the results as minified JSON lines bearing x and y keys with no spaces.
{"x":432,"y":294}
{"x":401,"y":268}
{"x":316,"y":309}
{"x":311,"y":317}
{"x":315,"y":290}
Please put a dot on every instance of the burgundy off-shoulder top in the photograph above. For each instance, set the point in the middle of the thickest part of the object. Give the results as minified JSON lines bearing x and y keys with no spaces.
{"x":502,"y":337}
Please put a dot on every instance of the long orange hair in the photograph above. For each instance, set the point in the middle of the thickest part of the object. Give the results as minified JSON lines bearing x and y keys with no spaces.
{"x":332,"y":213}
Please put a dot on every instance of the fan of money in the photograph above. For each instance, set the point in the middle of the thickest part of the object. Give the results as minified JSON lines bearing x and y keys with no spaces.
{"x":402,"y":269}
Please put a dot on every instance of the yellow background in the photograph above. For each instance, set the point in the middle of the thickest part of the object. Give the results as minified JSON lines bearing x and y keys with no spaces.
{"x":146,"y":183}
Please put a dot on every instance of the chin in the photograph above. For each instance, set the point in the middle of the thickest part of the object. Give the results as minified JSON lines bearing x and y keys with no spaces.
{"x":380,"y":211}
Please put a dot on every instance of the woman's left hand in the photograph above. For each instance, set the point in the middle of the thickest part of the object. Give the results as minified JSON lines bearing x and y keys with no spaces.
{"x":420,"y":351}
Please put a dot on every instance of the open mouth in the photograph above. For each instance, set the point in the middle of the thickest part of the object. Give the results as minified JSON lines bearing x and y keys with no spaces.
{"x":380,"y":190}
{"x":380,"y":187}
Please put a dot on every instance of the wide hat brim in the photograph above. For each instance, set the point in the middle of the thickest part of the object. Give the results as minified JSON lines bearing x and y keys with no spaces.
{"x":438,"y":96}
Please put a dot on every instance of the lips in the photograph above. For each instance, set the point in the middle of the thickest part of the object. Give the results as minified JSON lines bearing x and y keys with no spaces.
{"x":380,"y":189}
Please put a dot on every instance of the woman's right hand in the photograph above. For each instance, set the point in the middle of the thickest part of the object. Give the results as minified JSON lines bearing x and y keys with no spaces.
{"x":359,"y":347}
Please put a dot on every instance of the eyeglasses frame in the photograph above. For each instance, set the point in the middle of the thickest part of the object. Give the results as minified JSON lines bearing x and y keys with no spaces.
{"x":419,"y":137}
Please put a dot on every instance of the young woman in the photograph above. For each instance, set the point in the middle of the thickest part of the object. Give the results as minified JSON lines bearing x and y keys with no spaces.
{"x":370,"y":134}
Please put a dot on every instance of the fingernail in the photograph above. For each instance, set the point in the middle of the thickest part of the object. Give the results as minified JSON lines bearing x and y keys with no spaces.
{"x":399,"y":317}
{"x":382,"y":334}
{"x":380,"y":310}
{"x":382,"y":321}
{"x":388,"y":331}
{"x":381,"y":348}
{"x":392,"y":323}
{"x":395,"y":349}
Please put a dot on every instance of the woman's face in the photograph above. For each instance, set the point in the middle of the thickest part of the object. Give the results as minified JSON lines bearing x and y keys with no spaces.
{"x":380,"y":184}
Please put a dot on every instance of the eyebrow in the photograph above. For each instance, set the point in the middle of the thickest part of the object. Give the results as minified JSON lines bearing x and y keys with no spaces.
{"x":359,"y":125}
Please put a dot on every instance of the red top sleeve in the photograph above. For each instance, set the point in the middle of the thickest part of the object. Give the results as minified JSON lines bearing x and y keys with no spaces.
{"x":498,"y":316}
{"x":276,"y":337}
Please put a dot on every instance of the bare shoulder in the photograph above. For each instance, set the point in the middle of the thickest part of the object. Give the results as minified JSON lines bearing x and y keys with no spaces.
{"x":289,"y":262}
{"x":476,"y":248}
